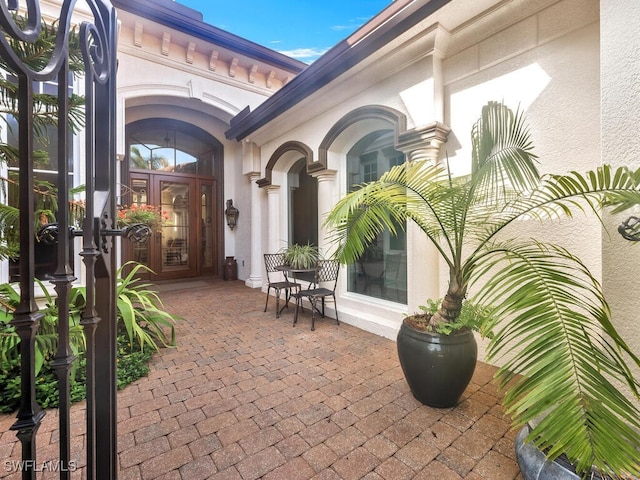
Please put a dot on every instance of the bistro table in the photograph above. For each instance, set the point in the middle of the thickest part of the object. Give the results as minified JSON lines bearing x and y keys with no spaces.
{"x":292,"y":276}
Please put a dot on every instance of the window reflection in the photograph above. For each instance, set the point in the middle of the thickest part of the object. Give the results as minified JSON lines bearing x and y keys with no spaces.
{"x":170,"y":151}
{"x":381,"y":272}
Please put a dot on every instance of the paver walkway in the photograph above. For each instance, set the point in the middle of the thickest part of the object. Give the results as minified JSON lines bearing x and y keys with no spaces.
{"x":245,"y":396}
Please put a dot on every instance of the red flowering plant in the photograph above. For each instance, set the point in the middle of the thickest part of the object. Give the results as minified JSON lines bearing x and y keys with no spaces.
{"x":153,"y":217}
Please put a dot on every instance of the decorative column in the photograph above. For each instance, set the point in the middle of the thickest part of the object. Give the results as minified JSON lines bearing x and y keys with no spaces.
{"x":423,"y":143}
{"x":326,"y":188}
{"x":255,"y":263}
{"x":273,"y":218}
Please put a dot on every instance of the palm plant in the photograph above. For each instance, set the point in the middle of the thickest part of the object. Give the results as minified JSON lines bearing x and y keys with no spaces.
{"x":45,"y":118}
{"x":543,"y":299}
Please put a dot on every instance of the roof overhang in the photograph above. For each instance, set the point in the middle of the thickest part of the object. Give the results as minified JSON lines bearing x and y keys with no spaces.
{"x":399,"y":17}
{"x":179,"y":17}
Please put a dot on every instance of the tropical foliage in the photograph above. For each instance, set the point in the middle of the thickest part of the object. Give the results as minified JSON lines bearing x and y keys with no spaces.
{"x":45,"y":120}
{"x":46,"y":339}
{"x":143,"y":327}
{"x":140,"y":314}
{"x":548,"y":306}
{"x":301,"y":256}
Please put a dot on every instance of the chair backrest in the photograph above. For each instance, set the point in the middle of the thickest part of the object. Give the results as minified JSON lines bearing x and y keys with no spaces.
{"x":271,"y":261}
{"x":327,"y":271}
{"x":393,"y":265}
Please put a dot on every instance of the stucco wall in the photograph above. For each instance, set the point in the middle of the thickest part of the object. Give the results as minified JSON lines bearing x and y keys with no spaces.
{"x":545,"y":66}
{"x":620,"y":63}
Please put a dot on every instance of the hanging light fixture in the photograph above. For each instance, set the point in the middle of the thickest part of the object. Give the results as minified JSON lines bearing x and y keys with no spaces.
{"x":232,"y":214}
{"x":166,"y":141}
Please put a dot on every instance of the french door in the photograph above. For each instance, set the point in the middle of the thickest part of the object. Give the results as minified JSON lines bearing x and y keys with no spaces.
{"x":185,"y":246}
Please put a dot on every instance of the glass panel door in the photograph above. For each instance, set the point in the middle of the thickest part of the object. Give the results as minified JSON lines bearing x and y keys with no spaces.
{"x":140,"y":197}
{"x":177,"y":254}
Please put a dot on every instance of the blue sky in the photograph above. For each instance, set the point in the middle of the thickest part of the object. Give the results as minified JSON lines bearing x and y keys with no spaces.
{"x":302,"y":29}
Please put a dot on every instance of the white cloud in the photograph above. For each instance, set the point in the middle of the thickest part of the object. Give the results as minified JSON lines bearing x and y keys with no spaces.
{"x":353,"y":24}
{"x":308,"y":54}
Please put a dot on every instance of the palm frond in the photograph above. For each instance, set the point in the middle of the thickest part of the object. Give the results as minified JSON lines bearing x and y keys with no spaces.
{"x":502,"y":154}
{"x":414,"y":191}
{"x":551,"y":308}
{"x":559,"y":196}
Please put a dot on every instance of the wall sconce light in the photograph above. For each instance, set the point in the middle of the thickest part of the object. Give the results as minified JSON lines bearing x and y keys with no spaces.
{"x":232,"y":214}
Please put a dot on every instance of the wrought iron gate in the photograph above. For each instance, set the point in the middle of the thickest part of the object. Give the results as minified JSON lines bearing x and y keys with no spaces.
{"x":98,"y":45}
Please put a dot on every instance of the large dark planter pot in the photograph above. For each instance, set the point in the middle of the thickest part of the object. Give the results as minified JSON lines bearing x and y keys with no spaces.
{"x":438,"y":368}
{"x":534,"y":465}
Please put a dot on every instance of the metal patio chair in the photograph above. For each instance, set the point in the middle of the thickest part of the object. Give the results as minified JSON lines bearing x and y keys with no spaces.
{"x":326,"y":273}
{"x":271,"y":262}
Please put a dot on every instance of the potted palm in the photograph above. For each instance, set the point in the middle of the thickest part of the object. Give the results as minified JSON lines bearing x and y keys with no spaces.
{"x":541,"y":297}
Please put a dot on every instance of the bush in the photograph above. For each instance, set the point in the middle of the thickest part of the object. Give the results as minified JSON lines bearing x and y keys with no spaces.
{"x":141,"y":323}
{"x":132,"y":365}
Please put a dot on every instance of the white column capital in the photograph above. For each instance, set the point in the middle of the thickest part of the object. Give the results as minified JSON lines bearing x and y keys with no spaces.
{"x":325,"y":175}
{"x":423,"y":143}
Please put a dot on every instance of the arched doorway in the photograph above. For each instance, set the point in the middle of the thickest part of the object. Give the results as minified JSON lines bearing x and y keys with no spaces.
{"x":303,"y":205}
{"x":176,"y":167}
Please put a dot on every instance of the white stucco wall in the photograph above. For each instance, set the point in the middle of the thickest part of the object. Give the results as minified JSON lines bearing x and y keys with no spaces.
{"x":546,"y":63}
{"x":620,"y":64}
{"x":158,"y":79}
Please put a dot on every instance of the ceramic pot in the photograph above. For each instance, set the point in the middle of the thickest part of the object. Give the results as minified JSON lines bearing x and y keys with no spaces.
{"x":438,"y":368}
{"x":534,"y":465}
{"x":230,"y":271}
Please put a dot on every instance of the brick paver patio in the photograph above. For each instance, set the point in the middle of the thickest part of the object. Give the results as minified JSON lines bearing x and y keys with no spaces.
{"x":245,"y":396}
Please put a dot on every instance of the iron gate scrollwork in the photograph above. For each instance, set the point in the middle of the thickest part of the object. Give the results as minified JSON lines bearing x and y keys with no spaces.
{"x":98,"y":45}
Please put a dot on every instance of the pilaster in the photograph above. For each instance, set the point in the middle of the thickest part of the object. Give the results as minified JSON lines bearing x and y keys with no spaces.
{"x":273,"y":217}
{"x":255,"y":263}
{"x":326,"y":190}
{"x":423,"y":143}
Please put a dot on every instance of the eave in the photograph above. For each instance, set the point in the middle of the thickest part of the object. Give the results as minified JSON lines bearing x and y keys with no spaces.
{"x":384,"y":28}
{"x":179,"y":17}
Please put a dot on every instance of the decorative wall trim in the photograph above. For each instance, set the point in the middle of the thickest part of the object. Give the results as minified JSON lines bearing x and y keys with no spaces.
{"x":191,"y":48}
{"x":381,"y":112}
{"x":299,"y":147}
{"x":423,"y":142}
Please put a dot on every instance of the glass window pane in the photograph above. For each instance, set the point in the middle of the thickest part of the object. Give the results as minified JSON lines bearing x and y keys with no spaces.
{"x":170,"y":150}
{"x":381,"y":272}
{"x":207,"y":225}
{"x":175,"y":234}
{"x":140,"y":197}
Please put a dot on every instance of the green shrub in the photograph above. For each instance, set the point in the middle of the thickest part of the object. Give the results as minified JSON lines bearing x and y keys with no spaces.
{"x":141,"y":323}
{"x":132,"y":365}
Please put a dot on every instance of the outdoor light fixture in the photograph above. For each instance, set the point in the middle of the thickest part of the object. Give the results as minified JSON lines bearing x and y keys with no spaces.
{"x":232,"y":214}
{"x":630,"y":229}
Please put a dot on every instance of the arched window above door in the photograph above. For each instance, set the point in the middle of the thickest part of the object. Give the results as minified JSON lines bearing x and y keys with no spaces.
{"x":170,"y":146}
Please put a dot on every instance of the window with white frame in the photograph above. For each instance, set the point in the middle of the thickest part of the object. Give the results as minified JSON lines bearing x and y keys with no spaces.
{"x":382,"y":271}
